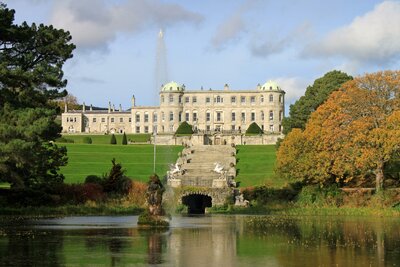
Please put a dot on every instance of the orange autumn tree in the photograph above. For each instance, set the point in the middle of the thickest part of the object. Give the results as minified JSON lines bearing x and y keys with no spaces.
{"x":352,"y":135}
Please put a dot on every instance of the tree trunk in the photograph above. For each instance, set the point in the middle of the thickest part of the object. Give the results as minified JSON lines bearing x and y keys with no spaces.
{"x":379,"y":177}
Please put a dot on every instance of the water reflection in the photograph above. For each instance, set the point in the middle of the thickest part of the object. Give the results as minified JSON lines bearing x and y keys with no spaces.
{"x":202,"y":241}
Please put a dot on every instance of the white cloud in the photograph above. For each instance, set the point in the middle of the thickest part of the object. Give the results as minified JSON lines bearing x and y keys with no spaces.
{"x":232,"y":28}
{"x":293,"y":86}
{"x":228,"y":31}
{"x":94,"y":23}
{"x":270,"y":46}
{"x":372,"y":38}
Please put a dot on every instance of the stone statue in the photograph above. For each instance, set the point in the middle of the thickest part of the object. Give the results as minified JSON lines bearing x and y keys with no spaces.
{"x":154,"y":194}
{"x":219,"y":168}
{"x":240,"y":201}
{"x":154,"y":216}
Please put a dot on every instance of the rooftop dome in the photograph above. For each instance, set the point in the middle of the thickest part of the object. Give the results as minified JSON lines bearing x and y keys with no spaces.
{"x":172,"y":87}
{"x":270,"y":86}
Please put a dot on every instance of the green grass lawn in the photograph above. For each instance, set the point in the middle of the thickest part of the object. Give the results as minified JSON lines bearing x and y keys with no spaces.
{"x":105,"y":139}
{"x":256,"y":165}
{"x":137,"y":160}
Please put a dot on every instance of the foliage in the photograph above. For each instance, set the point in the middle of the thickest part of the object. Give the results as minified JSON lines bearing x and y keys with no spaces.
{"x":31,"y":60}
{"x":87,"y":140}
{"x":184,"y":128}
{"x":93,"y":179}
{"x":113,"y":140}
{"x":116,"y":181}
{"x":254,"y":129}
{"x":124,"y":140}
{"x":70,"y":100}
{"x":353,"y":135}
{"x":314,"y":96}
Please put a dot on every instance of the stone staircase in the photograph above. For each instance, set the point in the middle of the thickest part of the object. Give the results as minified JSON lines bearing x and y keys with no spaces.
{"x":198,"y":163}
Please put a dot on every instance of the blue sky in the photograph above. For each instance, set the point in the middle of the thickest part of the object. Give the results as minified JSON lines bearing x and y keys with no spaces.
{"x":210,"y":43}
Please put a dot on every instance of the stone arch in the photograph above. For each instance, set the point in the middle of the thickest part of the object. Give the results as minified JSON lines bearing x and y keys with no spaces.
{"x":196,"y":202}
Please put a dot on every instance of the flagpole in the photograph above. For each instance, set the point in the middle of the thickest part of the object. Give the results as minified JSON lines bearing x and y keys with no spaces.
{"x":154,"y":150}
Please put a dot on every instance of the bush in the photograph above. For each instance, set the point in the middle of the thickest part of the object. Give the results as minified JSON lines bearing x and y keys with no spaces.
{"x":113,"y":140}
{"x":87,"y":140}
{"x":254,"y":129}
{"x":80,"y":193}
{"x":93,"y":179}
{"x":124,"y":140}
{"x":184,"y":128}
{"x":116,"y":181}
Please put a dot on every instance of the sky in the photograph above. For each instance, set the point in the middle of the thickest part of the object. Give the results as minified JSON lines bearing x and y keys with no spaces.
{"x":210,"y":43}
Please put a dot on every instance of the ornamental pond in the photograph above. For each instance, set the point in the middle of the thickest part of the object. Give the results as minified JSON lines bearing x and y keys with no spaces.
{"x":208,"y":240}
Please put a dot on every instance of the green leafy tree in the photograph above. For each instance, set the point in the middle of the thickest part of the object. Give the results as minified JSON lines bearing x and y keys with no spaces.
{"x":113,"y":140}
{"x":314,"y":96}
{"x":124,"y":139}
{"x":254,"y":129}
{"x":184,"y":128}
{"x":31,"y":78}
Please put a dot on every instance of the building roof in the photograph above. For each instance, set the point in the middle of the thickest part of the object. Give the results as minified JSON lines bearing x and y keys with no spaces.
{"x":270,"y":86}
{"x":172,"y":87}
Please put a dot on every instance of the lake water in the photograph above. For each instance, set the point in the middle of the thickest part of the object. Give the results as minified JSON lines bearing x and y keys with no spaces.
{"x":212,"y":240}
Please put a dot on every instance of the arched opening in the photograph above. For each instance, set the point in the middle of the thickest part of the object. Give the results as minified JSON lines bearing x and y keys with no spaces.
{"x":197,"y":203}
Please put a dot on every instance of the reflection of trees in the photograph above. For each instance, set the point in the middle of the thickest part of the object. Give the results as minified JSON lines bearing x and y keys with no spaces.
{"x":332,"y":242}
{"x":31,"y":248}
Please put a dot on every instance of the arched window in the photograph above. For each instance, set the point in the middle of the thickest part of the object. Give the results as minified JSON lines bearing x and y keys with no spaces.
{"x":218,"y":99}
{"x":271,"y":115}
{"x":262,"y":115}
{"x":162,"y":99}
{"x":171,"y":116}
{"x":262,"y":99}
{"x":271,"y":98}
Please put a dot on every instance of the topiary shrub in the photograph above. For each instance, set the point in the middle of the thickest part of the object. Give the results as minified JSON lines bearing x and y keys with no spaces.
{"x":184,"y":128}
{"x":254,"y":129}
{"x":124,"y":140}
{"x":87,"y":140}
{"x":113,"y":140}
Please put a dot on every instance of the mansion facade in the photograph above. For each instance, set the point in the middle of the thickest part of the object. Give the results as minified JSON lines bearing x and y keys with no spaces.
{"x":206,"y":110}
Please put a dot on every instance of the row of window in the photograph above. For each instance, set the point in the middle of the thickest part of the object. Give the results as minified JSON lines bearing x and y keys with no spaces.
{"x":71,"y":119}
{"x":208,"y":128}
{"x":219,"y":116}
{"x":111,"y":120}
{"x":219,"y":99}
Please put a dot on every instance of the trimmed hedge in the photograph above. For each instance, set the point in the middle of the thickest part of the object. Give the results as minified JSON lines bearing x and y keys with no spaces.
{"x":113,"y":140}
{"x":184,"y":128}
{"x":254,"y":129}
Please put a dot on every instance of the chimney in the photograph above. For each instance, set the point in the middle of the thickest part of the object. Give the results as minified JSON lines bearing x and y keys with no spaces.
{"x":83,"y":107}
{"x":133,"y":101}
{"x":65,"y":107}
{"x":120,"y":108}
{"x":113,"y":108}
{"x":109,"y":107}
{"x":226,"y":87}
{"x":91,"y":107}
{"x":258,"y":86}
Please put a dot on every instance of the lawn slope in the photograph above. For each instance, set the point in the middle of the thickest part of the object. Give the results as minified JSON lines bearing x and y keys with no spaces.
{"x":137,"y":160}
{"x":255,"y":165}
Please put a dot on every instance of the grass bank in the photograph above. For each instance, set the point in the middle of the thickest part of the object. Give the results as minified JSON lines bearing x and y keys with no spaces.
{"x":137,"y":160}
{"x":255,"y":166}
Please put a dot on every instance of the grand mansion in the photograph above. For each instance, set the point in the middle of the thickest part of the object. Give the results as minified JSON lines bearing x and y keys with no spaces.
{"x":223,"y":110}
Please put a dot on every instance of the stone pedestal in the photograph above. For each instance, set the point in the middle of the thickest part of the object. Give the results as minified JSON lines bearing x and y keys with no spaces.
{"x":174,"y":183}
{"x":219,"y":183}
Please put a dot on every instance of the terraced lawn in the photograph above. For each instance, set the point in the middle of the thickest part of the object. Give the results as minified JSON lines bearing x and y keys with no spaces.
{"x":137,"y":160}
{"x":256,"y":165}
{"x":105,"y":139}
